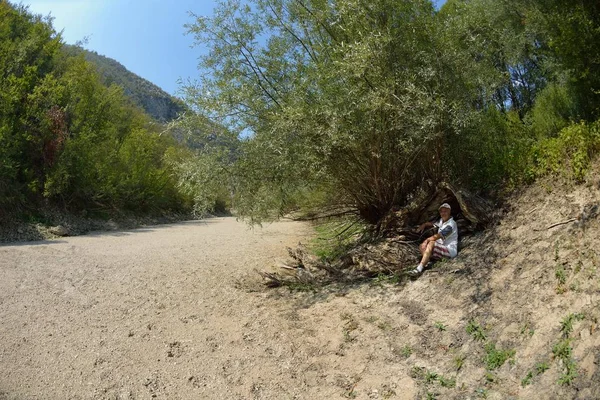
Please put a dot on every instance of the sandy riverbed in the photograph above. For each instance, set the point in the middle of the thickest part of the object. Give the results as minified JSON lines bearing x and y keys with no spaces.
{"x":148,"y":313}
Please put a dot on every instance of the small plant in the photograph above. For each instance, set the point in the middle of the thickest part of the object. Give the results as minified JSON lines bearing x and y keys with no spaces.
{"x":300,"y":287}
{"x":564,"y":352}
{"x":459,"y":361}
{"x":527,"y":380}
{"x":431,"y":396}
{"x":351,"y":394}
{"x":406,"y":351}
{"x":495,"y":358}
{"x":566,"y":325}
{"x":447,"y":382}
{"x":527,"y":330}
{"x":440,"y":326}
{"x":430,"y":377}
{"x":569,"y":374}
{"x":417,"y":372}
{"x":560,"y":275}
{"x":382,"y":278}
{"x":475,"y":330}
{"x":541,"y":367}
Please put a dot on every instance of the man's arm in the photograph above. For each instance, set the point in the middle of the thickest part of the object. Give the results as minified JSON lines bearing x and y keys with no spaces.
{"x":433,"y":238}
{"x":440,"y":235}
{"x":424,"y":226}
{"x":447,"y":231}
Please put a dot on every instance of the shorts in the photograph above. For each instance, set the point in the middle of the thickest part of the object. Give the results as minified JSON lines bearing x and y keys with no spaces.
{"x":442,"y":251}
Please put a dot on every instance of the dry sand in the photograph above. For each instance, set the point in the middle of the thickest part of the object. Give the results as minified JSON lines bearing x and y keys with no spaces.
{"x":146,"y":313}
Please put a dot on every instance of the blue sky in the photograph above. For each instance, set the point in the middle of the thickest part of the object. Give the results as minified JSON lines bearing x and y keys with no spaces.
{"x":146,"y":36}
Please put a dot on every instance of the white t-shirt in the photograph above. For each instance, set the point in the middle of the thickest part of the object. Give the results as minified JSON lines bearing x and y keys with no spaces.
{"x":449,"y":232}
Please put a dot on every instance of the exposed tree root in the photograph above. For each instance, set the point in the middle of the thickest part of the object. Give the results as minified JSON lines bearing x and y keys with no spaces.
{"x":394,"y":244}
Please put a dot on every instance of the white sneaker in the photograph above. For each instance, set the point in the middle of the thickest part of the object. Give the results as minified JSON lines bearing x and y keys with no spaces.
{"x":414,"y":272}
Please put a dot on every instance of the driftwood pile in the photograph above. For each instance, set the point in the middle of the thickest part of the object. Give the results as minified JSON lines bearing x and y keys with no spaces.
{"x":394,"y":246}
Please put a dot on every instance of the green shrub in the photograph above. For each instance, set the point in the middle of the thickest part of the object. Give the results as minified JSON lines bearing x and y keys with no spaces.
{"x":493,"y":152}
{"x":552,"y":111}
{"x":569,"y":153}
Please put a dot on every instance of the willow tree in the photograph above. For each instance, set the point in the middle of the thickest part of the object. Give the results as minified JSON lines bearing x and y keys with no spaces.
{"x":345,"y":97}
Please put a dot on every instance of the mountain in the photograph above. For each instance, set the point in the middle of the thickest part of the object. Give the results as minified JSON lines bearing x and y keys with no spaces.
{"x":156,"y":102}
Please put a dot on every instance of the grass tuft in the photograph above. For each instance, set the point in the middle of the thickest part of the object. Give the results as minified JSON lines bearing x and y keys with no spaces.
{"x":334,"y":238}
{"x":563,"y":351}
{"x":475,"y":330}
{"x":459,"y":361}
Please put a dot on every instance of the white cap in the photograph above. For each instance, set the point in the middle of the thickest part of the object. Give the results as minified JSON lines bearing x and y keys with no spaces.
{"x":445,"y":205}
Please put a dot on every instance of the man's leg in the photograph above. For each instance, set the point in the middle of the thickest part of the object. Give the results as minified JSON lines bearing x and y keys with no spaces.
{"x":427,"y":252}
{"x":433,"y":250}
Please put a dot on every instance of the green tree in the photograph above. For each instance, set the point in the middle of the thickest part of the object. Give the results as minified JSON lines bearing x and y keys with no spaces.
{"x":572,"y":32}
{"x":28,"y":48}
{"x":344,"y":94}
{"x":67,"y":139}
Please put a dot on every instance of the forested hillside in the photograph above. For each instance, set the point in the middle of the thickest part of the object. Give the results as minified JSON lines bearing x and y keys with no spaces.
{"x":367,"y":106}
{"x":68,"y":140}
{"x":156,"y":102}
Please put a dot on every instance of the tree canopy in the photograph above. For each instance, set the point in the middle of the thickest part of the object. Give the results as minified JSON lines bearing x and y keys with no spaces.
{"x":367,"y":105}
{"x":346,"y":106}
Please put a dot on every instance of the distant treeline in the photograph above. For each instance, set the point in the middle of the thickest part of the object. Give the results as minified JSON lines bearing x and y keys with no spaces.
{"x":367,"y":105}
{"x":69,"y":140}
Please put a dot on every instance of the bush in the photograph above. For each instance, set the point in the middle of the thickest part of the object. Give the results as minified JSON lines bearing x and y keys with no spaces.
{"x":554,"y":108}
{"x":492,"y":153}
{"x":570,"y":153}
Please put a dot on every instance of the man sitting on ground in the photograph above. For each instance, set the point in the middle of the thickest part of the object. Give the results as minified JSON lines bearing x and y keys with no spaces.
{"x":444,"y":244}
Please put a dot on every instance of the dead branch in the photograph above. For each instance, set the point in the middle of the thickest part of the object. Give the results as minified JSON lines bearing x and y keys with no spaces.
{"x":555,"y":225}
{"x":271,"y":280}
{"x":562,"y":223}
{"x":325,"y":216}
